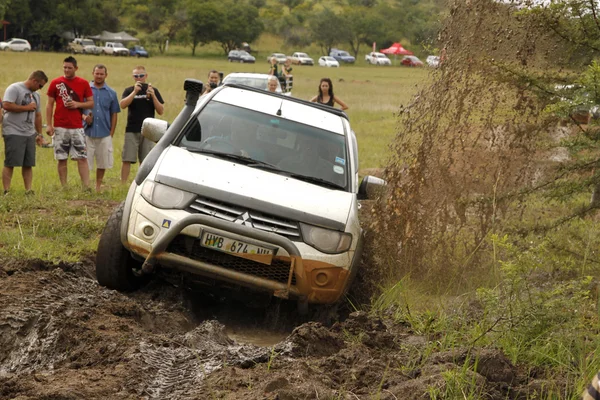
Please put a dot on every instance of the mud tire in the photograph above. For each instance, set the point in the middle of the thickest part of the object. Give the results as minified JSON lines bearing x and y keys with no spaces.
{"x":114,"y":264}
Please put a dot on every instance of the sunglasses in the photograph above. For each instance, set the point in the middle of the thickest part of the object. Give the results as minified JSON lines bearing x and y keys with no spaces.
{"x":139,"y":75}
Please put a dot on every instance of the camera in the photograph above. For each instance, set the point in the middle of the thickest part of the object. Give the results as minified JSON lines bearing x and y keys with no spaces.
{"x":144,"y":86}
{"x":213,"y":85}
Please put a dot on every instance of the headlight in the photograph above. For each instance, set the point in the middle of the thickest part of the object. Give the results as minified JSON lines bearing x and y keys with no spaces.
{"x":326,"y":240}
{"x":163,"y":196}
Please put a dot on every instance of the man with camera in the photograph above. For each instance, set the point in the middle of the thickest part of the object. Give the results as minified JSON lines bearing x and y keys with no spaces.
{"x":143,"y":101}
{"x":214,"y":79}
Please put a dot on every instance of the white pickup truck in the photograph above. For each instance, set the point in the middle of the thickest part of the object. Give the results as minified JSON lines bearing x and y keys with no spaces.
{"x":115,"y":49}
{"x":246,"y":188}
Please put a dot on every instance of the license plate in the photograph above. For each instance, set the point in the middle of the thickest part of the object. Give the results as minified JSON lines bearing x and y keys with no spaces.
{"x":237,"y":247}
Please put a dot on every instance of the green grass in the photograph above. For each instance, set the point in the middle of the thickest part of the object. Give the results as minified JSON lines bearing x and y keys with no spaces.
{"x":59,"y":224}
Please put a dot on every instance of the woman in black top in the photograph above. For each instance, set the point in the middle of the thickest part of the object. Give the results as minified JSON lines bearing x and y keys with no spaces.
{"x":326,"y":95}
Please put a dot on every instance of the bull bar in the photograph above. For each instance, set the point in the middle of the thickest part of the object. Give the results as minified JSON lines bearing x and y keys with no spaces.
{"x":158,"y":254}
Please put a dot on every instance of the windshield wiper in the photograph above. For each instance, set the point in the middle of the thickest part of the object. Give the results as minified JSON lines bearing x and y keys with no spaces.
{"x":220,"y":153}
{"x":250,"y":162}
{"x":319,"y":181}
{"x":265,"y":165}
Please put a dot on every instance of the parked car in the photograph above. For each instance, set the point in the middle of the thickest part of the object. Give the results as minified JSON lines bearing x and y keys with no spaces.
{"x":377,"y":58}
{"x":234,"y":194}
{"x":84,"y":46}
{"x":281,"y":58}
{"x":258,"y":81}
{"x":411,"y":61}
{"x":342,"y":56}
{"x":138,"y":51}
{"x":326,"y":61}
{"x":241,"y":56}
{"x":299,"y":58}
{"x":433,"y":61}
{"x":15,"y":44}
{"x":115,"y":49}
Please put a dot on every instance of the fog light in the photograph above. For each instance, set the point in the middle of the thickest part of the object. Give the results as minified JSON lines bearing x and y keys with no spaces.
{"x":148,"y":231}
{"x":322,"y":278}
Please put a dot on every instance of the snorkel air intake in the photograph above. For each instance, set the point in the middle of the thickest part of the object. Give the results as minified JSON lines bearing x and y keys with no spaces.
{"x":193,"y":88}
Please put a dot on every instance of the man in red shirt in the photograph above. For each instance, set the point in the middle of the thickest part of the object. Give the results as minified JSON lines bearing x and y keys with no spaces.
{"x":72,"y":95}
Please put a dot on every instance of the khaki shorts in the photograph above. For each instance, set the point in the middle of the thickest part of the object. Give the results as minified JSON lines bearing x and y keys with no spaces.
{"x":136,"y":147}
{"x":69,"y":142}
{"x":100,"y":149}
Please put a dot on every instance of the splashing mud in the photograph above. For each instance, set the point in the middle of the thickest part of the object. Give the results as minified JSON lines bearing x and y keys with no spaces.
{"x":476,"y":145}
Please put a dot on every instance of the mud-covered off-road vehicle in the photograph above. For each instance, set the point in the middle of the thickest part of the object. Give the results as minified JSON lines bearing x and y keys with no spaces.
{"x":246,"y":188}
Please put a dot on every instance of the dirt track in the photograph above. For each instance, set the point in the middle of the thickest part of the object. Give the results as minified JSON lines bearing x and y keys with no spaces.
{"x":64,"y":337}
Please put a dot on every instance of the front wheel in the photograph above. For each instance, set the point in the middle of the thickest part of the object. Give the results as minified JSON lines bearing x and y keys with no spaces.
{"x":114,"y":264}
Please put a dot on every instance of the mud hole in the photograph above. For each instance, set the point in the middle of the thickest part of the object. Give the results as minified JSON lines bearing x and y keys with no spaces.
{"x":64,"y":337}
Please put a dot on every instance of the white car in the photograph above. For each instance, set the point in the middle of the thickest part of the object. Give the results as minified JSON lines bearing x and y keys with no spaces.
{"x":433,"y":61}
{"x":377,"y":58}
{"x":245,"y":189}
{"x":327,"y":61}
{"x":299,"y":58}
{"x":15,"y":44}
{"x":258,"y":81}
{"x":280,"y":57}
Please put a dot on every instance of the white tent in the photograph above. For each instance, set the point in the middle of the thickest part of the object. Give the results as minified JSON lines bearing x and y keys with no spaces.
{"x":122,"y":37}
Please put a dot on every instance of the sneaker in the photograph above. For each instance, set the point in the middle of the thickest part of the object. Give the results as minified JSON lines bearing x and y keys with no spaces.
{"x":29,"y":193}
{"x":6,"y":192}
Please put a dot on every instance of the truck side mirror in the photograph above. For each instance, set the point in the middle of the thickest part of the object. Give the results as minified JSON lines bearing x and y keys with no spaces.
{"x":153,"y":129}
{"x":370,"y":187}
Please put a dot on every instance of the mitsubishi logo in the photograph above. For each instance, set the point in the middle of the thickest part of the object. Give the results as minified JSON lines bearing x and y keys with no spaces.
{"x":244,"y":219}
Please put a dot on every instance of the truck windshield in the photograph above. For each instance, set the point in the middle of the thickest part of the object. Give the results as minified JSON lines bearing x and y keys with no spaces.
{"x":295,"y":149}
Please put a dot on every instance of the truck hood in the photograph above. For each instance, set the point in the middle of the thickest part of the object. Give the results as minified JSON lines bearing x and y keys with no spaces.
{"x":265,"y":191}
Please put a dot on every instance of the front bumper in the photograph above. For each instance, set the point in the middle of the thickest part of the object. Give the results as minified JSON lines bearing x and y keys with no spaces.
{"x":289,"y":275}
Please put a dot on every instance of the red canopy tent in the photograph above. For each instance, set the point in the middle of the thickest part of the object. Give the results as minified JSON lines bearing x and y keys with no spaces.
{"x":397,"y":49}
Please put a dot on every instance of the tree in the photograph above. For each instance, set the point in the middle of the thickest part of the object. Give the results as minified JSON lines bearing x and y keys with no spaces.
{"x":239,"y":23}
{"x":363,"y":26}
{"x":203,"y":22}
{"x":327,"y":29}
{"x":148,"y":15}
{"x":291,"y":4}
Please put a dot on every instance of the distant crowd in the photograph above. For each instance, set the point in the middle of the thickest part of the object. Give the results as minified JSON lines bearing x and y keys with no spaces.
{"x":81,"y":118}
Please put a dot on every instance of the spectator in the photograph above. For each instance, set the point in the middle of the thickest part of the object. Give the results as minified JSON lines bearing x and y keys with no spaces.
{"x":21,"y":126}
{"x":286,"y":70}
{"x":100,"y":124}
{"x":272,"y":84}
{"x":143,"y":101}
{"x":326,"y":95}
{"x":72,"y":95}
{"x":286,"y":73}
{"x":213,"y":81}
{"x":273,"y":69}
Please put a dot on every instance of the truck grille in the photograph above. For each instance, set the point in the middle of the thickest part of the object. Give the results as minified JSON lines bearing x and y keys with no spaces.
{"x":189,"y":247}
{"x":240,"y":215}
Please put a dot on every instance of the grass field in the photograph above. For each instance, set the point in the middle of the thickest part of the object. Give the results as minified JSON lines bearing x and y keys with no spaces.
{"x":59,"y":224}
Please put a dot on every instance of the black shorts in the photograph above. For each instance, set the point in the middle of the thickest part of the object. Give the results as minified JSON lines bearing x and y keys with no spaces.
{"x":19,"y":151}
